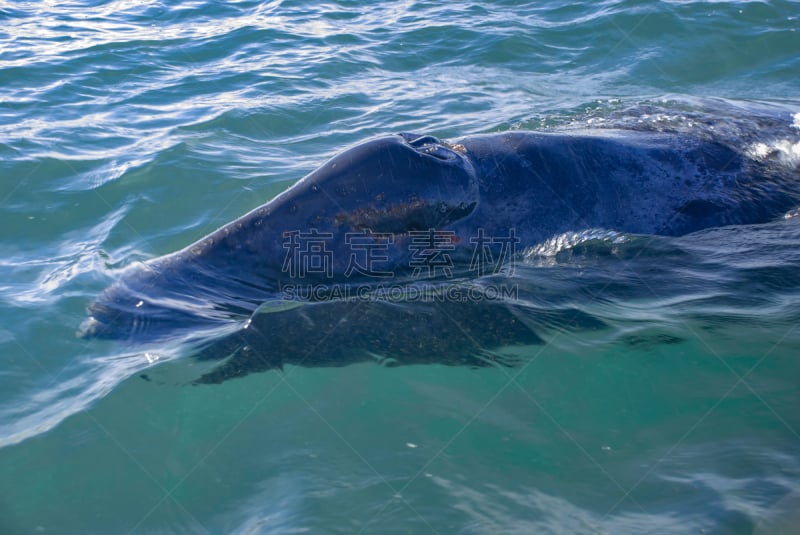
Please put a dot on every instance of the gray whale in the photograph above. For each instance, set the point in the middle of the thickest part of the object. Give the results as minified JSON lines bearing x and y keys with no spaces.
{"x":389,"y":189}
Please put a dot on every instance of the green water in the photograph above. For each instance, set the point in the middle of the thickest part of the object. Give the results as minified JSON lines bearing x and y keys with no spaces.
{"x":128,"y":130}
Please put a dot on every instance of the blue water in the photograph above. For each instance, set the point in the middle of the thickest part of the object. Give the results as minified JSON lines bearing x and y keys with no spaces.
{"x":128,"y":130}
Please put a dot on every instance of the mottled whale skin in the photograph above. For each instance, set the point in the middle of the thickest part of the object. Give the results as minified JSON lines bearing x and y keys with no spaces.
{"x":536,"y":184}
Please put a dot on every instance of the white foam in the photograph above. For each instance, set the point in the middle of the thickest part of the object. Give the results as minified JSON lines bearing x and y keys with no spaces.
{"x":785,"y":151}
{"x":792,"y":214}
{"x":782,"y":150}
{"x":569,"y":240}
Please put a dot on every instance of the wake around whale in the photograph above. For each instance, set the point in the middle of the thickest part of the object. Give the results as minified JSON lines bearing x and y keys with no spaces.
{"x":322,"y":274}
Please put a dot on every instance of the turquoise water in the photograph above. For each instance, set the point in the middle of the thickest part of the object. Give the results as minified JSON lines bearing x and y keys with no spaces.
{"x":130,"y":129}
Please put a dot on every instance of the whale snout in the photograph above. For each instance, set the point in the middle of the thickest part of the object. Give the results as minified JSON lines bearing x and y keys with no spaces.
{"x":115,"y":314}
{"x":91,"y":327}
{"x":122,"y":312}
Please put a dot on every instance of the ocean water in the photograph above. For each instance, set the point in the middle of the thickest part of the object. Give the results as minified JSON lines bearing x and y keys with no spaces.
{"x":128,"y":130}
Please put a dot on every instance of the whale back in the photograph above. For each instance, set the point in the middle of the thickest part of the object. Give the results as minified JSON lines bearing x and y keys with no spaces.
{"x":634,"y":182}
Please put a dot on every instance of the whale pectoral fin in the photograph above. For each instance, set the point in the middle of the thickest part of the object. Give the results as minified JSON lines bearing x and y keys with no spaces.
{"x":243,"y":362}
{"x":242,"y":352}
{"x":229,"y":370}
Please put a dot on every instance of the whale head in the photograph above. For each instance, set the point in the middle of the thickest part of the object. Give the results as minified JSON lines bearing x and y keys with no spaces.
{"x":353,"y":220}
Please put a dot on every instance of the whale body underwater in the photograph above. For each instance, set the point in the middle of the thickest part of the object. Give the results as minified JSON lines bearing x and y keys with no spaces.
{"x":390,"y":208}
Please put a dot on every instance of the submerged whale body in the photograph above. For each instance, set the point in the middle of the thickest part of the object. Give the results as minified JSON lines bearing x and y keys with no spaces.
{"x":337,"y":333}
{"x":375,"y":212}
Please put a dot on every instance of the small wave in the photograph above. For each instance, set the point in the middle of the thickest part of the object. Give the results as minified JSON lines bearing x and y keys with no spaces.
{"x":570,"y":240}
{"x":87,"y":380}
{"x":62,"y":398}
